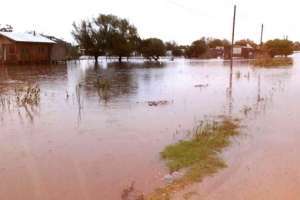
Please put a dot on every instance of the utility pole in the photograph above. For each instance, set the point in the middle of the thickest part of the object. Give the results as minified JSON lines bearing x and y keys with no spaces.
{"x":232,"y":43}
{"x":261,"y":34}
{"x":231,"y":61}
{"x":233,"y":33}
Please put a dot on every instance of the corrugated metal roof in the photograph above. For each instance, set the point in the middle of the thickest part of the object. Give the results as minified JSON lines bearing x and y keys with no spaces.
{"x":26,"y":37}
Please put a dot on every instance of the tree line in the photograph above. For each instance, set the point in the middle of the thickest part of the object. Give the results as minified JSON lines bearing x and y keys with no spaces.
{"x":109,"y":35}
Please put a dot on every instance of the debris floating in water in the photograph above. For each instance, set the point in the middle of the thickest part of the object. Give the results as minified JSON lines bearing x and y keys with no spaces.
{"x":158,"y":103}
{"x":201,"y":85}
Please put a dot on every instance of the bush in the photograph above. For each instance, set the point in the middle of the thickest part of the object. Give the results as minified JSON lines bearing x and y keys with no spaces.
{"x":278,"y":47}
{"x":267,"y":61}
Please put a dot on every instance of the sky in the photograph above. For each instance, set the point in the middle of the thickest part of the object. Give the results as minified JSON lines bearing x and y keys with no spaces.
{"x":182,"y":21}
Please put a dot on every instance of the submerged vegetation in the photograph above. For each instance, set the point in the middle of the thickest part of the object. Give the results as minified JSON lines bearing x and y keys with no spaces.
{"x":199,"y":156}
{"x":23,"y":96}
{"x":274,"y":53}
{"x":29,"y":95}
{"x":272,"y":62}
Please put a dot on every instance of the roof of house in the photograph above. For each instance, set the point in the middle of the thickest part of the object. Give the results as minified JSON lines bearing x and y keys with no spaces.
{"x":55,"y":39}
{"x":26,"y":37}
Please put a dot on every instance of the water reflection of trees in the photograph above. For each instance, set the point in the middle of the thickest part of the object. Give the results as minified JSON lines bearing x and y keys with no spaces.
{"x":33,"y":73}
{"x":121,"y":79}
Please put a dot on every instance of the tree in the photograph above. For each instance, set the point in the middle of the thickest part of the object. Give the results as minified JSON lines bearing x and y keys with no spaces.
{"x":105,"y":27}
{"x":278,"y":47}
{"x":246,"y":42}
{"x":197,"y":49}
{"x":177,"y":52}
{"x":215,"y":43}
{"x":89,"y":39}
{"x":106,"y":34}
{"x":152,"y":48}
{"x":170,"y":46}
{"x":226,"y":43}
{"x":174,"y":48}
{"x":124,"y":39}
{"x":6,"y":28}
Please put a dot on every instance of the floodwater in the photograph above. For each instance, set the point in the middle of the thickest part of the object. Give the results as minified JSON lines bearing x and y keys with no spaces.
{"x":82,"y":143}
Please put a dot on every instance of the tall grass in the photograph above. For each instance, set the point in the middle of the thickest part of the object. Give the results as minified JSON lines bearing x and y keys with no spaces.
{"x":28,"y":95}
{"x":199,"y":156}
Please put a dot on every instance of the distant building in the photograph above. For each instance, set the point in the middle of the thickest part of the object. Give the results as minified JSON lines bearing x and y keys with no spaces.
{"x":217,"y":52}
{"x":169,"y":53}
{"x":246,"y":52}
{"x":23,"y":48}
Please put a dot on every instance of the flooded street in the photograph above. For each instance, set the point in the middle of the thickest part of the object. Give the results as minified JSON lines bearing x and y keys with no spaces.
{"x":264,"y":163}
{"x":84,"y":143}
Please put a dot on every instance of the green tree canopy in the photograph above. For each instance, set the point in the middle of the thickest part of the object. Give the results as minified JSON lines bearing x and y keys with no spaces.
{"x":245,"y":42}
{"x":106,"y":34}
{"x":197,"y":49}
{"x":278,"y":47}
{"x":177,"y":52}
{"x":152,"y":48}
{"x":123,"y":39}
{"x":170,"y":46}
{"x":174,"y":48}
{"x":215,"y":43}
{"x":89,"y":39}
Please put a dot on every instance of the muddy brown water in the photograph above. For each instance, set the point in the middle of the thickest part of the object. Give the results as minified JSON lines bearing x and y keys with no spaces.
{"x":80,"y":143}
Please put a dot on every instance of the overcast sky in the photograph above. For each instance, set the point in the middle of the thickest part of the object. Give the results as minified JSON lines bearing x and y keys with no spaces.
{"x":179,"y":20}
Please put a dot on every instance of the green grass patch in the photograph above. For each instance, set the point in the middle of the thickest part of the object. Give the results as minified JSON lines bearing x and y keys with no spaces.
{"x":199,"y":156}
{"x":273,"y":62}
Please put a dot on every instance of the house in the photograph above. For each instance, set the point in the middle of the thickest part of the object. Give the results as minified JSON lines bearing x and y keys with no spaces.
{"x":23,"y":48}
{"x":59,"y":50}
{"x":217,"y":52}
{"x":246,"y":52}
{"x":169,"y":53}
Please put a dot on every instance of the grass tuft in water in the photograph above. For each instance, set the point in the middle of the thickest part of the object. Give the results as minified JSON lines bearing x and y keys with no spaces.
{"x":199,"y":156}
{"x":29,"y":95}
